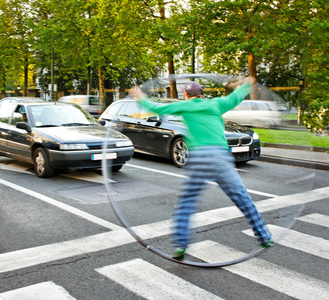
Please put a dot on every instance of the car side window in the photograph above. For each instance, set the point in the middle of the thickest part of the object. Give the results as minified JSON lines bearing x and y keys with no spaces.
{"x":256,"y":106}
{"x":132,"y":110}
{"x":242,"y":106}
{"x":93,"y":101}
{"x":19,"y":115}
{"x":145,"y":113}
{"x":114,"y":109}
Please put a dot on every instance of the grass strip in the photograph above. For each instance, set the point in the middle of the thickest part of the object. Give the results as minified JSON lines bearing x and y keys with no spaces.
{"x":291,"y":137}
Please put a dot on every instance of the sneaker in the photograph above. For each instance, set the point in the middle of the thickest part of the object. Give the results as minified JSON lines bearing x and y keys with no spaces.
{"x":268,"y":244}
{"x":179,"y":254}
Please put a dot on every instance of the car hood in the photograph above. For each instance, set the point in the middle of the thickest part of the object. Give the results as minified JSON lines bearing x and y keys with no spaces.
{"x":232,"y":127}
{"x":73,"y":134}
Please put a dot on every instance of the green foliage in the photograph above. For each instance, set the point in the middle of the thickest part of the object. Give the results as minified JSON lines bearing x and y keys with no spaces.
{"x":132,"y":40}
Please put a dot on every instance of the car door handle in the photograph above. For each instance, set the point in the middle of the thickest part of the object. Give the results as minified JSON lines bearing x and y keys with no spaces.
{"x":4,"y":133}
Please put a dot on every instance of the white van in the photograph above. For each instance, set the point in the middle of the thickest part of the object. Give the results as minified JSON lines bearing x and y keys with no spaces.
{"x":89,"y":103}
{"x":255,"y":113}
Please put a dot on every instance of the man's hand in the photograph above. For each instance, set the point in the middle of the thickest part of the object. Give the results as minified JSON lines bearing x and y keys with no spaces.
{"x":235,"y":84}
{"x":250,"y":79}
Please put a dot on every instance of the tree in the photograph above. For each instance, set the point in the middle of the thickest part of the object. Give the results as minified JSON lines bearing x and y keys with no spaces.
{"x":15,"y":57}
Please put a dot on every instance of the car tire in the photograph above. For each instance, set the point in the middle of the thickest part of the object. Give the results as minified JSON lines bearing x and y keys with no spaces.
{"x":116,"y":168}
{"x":42,"y":165}
{"x":179,"y":152}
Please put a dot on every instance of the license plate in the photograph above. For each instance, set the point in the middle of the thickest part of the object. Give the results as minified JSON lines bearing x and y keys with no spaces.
{"x":240,"y":149}
{"x":112,"y":155}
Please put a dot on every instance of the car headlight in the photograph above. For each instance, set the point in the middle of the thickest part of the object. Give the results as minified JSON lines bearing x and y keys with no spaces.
{"x":73,"y":147}
{"x":255,"y":136}
{"x":124,"y":143}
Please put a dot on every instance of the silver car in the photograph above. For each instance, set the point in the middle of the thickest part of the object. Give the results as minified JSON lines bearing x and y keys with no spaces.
{"x":255,"y":113}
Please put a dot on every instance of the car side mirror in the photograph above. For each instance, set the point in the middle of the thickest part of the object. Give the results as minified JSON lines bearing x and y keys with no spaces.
{"x":102,"y":122}
{"x":24,"y":126}
{"x":155,"y":119}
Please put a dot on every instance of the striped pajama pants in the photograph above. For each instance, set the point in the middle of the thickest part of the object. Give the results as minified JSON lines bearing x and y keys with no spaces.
{"x":213,"y":163}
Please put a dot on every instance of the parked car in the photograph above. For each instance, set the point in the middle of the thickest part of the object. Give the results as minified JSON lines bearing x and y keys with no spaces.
{"x":87,"y":102}
{"x":164,"y":135}
{"x":255,"y":113}
{"x":55,"y":136}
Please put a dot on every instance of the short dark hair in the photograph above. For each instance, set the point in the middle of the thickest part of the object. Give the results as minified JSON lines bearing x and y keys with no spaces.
{"x":194,"y":93}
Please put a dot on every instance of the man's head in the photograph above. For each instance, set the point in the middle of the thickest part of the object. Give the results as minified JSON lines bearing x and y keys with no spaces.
{"x":193,"y":89}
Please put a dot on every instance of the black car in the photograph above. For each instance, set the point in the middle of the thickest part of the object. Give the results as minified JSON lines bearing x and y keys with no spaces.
{"x":164,"y":135}
{"x":58,"y":136}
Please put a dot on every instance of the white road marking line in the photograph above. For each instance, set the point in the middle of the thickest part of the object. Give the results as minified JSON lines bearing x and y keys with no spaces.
{"x":300,"y":241}
{"x":41,"y":291}
{"x":61,"y":205}
{"x":152,"y":282}
{"x":17,"y":168}
{"x":316,"y":219}
{"x":87,"y":176}
{"x":184,"y":176}
{"x":276,"y":277}
{"x":44,"y":254}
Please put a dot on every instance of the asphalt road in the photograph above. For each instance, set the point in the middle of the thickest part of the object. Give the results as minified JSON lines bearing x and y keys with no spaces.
{"x":61,"y":239}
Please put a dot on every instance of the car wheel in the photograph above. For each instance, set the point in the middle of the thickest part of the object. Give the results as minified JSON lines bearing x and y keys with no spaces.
{"x":42,"y":165}
{"x":179,"y":152}
{"x":116,"y":168}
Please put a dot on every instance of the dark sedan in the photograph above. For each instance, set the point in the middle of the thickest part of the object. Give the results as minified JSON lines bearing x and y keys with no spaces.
{"x":58,"y":136}
{"x":164,"y":135}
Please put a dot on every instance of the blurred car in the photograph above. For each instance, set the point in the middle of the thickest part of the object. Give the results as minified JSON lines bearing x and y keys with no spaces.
{"x":87,"y":102}
{"x":164,"y":135}
{"x":255,"y":113}
{"x":55,"y":136}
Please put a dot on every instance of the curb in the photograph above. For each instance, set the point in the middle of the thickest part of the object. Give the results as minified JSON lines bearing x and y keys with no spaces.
{"x":293,"y":162}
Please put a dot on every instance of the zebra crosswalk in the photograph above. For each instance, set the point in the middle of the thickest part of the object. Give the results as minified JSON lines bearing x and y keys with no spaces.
{"x":149,"y":281}
{"x":146,"y":278}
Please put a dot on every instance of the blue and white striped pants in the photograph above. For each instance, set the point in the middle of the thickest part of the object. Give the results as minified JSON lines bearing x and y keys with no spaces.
{"x":213,"y":163}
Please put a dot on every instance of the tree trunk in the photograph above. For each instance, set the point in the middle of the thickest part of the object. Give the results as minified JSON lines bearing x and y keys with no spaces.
{"x":101,"y":88}
{"x":173,"y":87}
{"x":89,"y":80}
{"x":252,"y":72}
{"x":26,"y":77}
{"x":171,"y":68}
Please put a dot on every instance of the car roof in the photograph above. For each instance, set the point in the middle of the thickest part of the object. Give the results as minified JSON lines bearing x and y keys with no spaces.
{"x":23,"y":98}
{"x":39,"y":103}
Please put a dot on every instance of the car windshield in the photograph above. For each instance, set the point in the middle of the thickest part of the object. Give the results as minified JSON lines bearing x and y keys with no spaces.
{"x":60,"y":115}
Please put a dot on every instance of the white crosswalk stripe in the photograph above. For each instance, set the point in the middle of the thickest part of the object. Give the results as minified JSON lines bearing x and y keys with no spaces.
{"x":299,"y":241}
{"x":41,"y":291}
{"x":152,"y":282}
{"x":316,"y":219}
{"x":268,"y":274}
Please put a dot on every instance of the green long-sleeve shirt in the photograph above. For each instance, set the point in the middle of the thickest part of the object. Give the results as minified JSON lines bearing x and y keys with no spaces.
{"x":202,"y":117}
